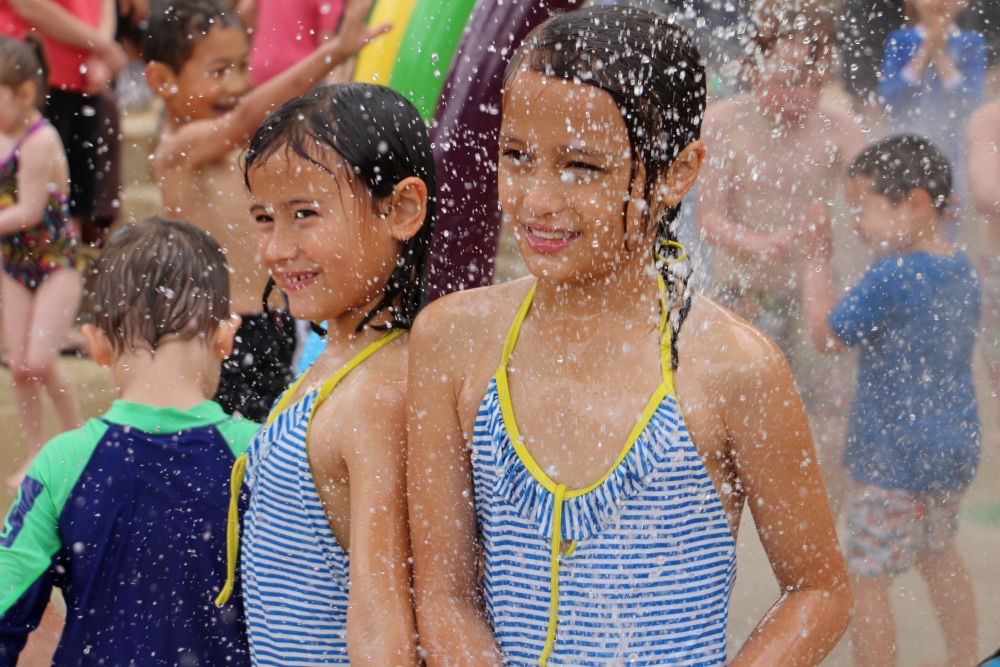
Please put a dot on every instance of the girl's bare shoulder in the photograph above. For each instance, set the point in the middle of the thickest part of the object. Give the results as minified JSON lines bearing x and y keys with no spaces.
{"x":469,"y":322}
{"x":723,"y":349}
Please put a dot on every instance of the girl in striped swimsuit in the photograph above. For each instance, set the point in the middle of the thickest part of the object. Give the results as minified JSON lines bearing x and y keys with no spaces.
{"x":342,"y":183}
{"x":583,"y":440}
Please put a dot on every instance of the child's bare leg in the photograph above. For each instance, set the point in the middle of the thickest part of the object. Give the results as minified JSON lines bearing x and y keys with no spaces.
{"x":954,"y":605}
{"x":18,"y":303}
{"x":56,"y":303}
{"x":873,"y":631}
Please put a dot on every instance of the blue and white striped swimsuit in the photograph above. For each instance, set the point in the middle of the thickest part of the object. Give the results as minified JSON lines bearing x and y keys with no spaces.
{"x":652,"y":563}
{"x":295,"y":573}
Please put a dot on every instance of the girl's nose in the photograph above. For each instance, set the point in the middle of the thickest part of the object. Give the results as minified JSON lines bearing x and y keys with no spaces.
{"x":544,"y":197}
{"x":278,"y":246}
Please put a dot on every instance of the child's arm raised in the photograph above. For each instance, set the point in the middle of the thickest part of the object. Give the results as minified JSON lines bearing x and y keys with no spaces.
{"x":818,"y":295}
{"x":450,"y":615}
{"x":771,"y":448}
{"x":381,"y":630}
{"x":203,"y":141}
{"x":35,"y":173}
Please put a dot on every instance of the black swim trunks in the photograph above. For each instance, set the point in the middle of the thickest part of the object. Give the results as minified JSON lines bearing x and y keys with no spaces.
{"x":260,"y":367}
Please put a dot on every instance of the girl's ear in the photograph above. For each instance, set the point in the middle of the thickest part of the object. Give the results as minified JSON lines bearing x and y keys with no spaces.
{"x":409,"y":208}
{"x":27,"y":93}
{"x":224,"y":336}
{"x":681,"y":175}
{"x":100,"y":346}
{"x":161,"y":79}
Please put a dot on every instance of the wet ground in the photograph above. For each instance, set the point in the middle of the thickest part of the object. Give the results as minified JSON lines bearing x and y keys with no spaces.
{"x":920,"y":641}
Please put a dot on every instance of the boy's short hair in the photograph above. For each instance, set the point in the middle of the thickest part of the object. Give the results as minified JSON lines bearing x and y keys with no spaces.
{"x":160,"y":278}
{"x":176,"y":26}
{"x":772,"y":20}
{"x":903,"y":163}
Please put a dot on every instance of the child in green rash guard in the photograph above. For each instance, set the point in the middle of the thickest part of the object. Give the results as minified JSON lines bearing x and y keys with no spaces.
{"x":127,"y":514}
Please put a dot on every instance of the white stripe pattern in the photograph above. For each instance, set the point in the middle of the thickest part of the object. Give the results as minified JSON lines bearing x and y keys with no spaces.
{"x":654,"y":565}
{"x":295,"y":574}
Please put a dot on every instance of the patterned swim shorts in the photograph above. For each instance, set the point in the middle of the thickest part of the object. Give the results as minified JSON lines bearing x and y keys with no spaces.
{"x":889,"y":529}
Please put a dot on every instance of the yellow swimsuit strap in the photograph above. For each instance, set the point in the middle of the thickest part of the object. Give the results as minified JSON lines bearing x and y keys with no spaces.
{"x":560,"y":491}
{"x":240,"y":466}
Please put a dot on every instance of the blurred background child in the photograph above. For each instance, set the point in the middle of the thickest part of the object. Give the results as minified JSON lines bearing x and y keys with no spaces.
{"x":41,"y":282}
{"x":932,"y":80}
{"x":771,"y":153}
{"x":125,"y":514}
{"x":914,"y":437}
{"x":198,"y":59}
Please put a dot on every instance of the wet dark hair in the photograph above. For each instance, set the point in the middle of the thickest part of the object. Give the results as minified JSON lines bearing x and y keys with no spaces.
{"x":654,"y":73}
{"x":159,"y":278}
{"x":176,"y":26}
{"x":382,"y":139}
{"x":899,"y":164}
{"x":21,"y":62}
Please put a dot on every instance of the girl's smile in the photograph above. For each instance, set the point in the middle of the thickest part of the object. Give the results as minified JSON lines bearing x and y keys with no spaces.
{"x":548,"y":240}
{"x":294,"y":281}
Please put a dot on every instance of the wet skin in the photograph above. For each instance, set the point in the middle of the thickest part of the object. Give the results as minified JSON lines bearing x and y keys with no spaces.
{"x":211,"y":113}
{"x":331,"y":253}
{"x":586,"y":361}
{"x":770,"y":155}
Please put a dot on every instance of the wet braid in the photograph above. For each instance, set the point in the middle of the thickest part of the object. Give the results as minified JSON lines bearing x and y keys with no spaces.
{"x":653,"y":72}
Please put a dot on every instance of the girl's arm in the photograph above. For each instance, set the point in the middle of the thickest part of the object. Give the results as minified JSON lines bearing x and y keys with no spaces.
{"x":205,"y":141}
{"x":772,"y":450}
{"x":381,"y":631}
{"x":36,"y":166}
{"x":450,"y":615}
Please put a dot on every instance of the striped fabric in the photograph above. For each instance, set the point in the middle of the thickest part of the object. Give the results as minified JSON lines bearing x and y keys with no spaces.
{"x":649,"y":580}
{"x":295,"y":573}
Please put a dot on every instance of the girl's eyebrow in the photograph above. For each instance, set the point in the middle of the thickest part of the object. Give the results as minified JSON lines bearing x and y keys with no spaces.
{"x":589,"y":152}
{"x":291,"y":202}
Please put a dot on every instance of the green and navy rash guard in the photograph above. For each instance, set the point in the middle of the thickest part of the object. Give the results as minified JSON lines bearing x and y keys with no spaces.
{"x":127,"y":515}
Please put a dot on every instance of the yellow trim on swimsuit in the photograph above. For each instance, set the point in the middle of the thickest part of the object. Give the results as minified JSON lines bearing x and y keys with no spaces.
{"x":560,"y":491}
{"x":239,"y":467}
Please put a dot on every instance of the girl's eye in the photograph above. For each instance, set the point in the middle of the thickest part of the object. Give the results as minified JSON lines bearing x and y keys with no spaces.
{"x":585,"y":166}
{"x":263,"y":219}
{"x":515,"y":155}
{"x":305,"y":213}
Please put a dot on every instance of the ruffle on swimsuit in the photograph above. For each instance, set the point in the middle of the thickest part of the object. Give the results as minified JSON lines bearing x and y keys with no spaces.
{"x":593,"y":512}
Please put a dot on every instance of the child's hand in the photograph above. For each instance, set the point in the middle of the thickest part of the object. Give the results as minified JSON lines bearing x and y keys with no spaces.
{"x":98,"y":75}
{"x":354,"y":33}
{"x":818,"y":232}
{"x":767,"y":248}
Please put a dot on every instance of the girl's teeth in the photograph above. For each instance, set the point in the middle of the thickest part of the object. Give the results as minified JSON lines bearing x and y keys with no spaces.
{"x":550,"y":235}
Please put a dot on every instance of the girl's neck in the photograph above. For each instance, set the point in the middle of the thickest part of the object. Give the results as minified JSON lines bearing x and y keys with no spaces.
{"x":342,"y":330}
{"x":23,"y":124}
{"x":933,"y":242}
{"x":626,"y":294}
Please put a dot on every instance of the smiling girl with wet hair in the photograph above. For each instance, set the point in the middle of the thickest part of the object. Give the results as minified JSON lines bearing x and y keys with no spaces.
{"x":603,"y":537}
{"x":342,"y":184}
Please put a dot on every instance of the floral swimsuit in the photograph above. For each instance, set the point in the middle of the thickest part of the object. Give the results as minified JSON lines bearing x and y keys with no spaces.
{"x":32,"y":254}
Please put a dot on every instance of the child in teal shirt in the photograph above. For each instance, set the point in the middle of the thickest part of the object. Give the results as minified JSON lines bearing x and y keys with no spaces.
{"x":127,"y":514}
